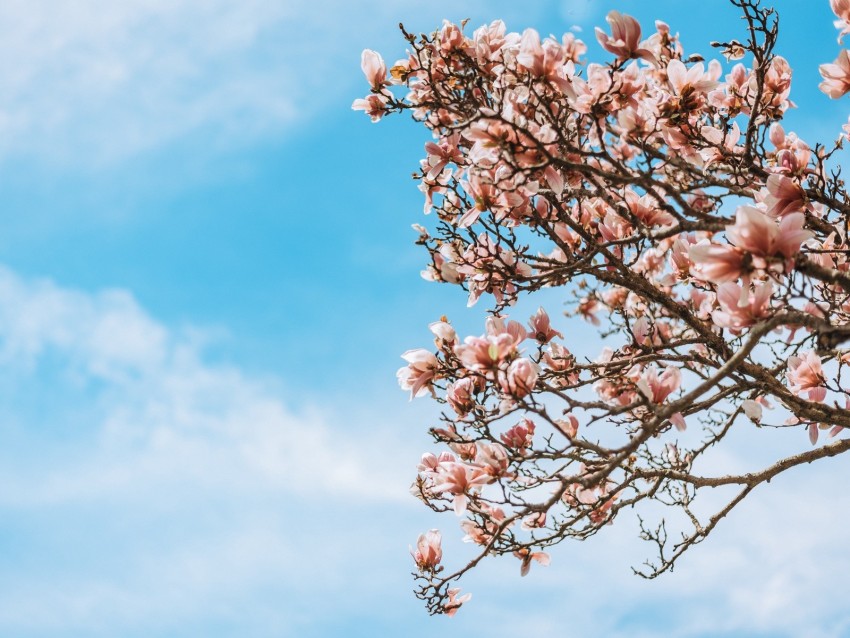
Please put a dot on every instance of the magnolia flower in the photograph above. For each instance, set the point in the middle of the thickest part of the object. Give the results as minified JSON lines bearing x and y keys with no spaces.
{"x":375,"y":106}
{"x":715,"y":263}
{"x":428,"y":552}
{"x":541,"y":329}
{"x":454,"y":602}
{"x":481,"y":354}
{"x":459,"y":396}
{"x":836,"y":76}
{"x":419,"y":373}
{"x":520,"y":435}
{"x":760,"y":235}
{"x":784,"y":196}
{"x":373,"y":68}
{"x":841,"y":8}
{"x":805,"y":375}
{"x":457,"y":479}
{"x":625,"y":39}
{"x":520,"y":378}
{"x":736,"y":315}
{"x":752,"y":409}
{"x":526,"y":556}
{"x":657,"y":387}
{"x":686,"y":81}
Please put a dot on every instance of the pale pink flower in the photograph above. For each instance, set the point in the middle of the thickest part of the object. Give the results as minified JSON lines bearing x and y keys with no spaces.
{"x":482,"y":533}
{"x":458,"y":479}
{"x":443,"y":331}
{"x":430,"y":462}
{"x":760,"y":235}
{"x":483,"y":354}
{"x":841,"y":8}
{"x":688,"y":81}
{"x":753,"y":410}
{"x":428,"y":552}
{"x":568,"y":425}
{"x":735,"y":315}
{"x":624,"y":41}
{"x":519,"y":436}
{"x":534,"y":521}
{"x":784,"y":196}
{"x":587,"y":308}
{"x":373,"y":68}
{"x":459,"y":396}
{"x":521,"y":377}
{"x":541,"y":329}
{"x":657,"y":387}
{"x":546,"y":61}
{"x":493,"y":459}
{"x":716,"y":263}
{"x":454,"y":602}
{"x":374,"y":105}
{"x":805,"y":375}
{"x":419,"y":373}
{"x":526,"y":556}
{"x":496,"y":325}
{"x":836,"y":76}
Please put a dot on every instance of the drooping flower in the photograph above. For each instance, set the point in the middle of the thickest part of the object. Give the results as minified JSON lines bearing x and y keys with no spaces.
{"x":428,"y":552}
{"x":836,"y":76}
{"x":841,"y":8}
{"x":526,"y":556}
{"x":454,"y":602}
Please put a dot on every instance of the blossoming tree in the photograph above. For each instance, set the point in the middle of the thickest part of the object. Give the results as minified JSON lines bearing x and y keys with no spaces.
{"x":673,"y":210}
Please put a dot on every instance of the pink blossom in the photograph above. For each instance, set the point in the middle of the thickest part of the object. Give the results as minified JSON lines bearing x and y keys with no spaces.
{"x":716,"y":263}
{"x":483,"y":354}
{"x":568,"y":426}
{"x":495,"y":325}
{"x":520,"y":378}
{"x":454,"y":602}
{"x":841,"y":8}
{"x":625,"y":39}
{"x":657,"y":387}
{"x":519,"y":436}
{"x":458,"y":479}
{"x":419,"y":373}
{"x":428,"y":552}
{"x":373,"y":68}
{"x":736,"y":315}
{"x":430,"y":462}
{"x":784,"y":196}
{"x":752,"y":409}
{"x":805,"y":375}
{"x":526,"y":556}
{"x":756,"y":233}
{"x":836,"y":76}
{"x":685,"y":81}
{"x":459,"y":396}
{"x":443,"y":331}
{"x":374,"y":105}
{"x":541,"y":329}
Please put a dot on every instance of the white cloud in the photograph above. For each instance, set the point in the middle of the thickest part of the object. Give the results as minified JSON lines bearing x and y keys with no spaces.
{"x":93,"y":81}
{"x":147,"y":490}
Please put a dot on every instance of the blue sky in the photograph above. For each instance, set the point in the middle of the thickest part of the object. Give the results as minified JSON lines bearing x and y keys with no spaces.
{"x":208,"y":275}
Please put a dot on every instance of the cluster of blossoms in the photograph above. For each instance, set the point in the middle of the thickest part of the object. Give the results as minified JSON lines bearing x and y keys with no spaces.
{"x":663,"y":196}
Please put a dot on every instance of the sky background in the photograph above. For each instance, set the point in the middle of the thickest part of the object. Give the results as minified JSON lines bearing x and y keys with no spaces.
{"x":208,"y":276}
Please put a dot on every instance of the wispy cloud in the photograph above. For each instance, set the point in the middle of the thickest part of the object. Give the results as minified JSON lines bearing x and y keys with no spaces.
{"x":94,"y":81}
